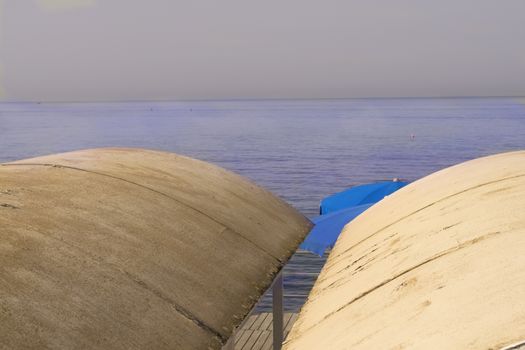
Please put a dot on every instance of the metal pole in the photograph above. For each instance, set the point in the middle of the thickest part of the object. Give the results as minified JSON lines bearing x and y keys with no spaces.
{"x":230,"y":344}
{"x":277,"y":295}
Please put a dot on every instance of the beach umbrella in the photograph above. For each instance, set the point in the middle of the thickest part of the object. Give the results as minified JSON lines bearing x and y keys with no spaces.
{"x":339,"y":209}
{"x":359,"y":195}
{"x":120,"y":248}
{"x":328,"y":227}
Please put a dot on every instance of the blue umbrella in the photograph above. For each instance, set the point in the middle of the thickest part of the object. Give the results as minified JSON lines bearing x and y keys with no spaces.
{"x":339,"y":209}
{"x":358,"y":195}
{"x":328,"y":227}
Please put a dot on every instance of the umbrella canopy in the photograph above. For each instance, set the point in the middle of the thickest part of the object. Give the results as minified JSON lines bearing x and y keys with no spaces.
{"x":443,"y":267}
{"x":134,"y":249}
{"x":359,"y":195}
{"x":327,"y":228}
{"x":339,"y":209}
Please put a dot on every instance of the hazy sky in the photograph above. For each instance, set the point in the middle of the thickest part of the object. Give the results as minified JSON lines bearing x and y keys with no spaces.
{"x":213,"y":49}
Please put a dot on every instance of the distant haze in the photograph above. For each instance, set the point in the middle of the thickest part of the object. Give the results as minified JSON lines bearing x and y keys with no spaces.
{"x":84,"y":50}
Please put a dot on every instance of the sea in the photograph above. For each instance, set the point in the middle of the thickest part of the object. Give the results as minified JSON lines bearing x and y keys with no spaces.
{"x":301,"y":150}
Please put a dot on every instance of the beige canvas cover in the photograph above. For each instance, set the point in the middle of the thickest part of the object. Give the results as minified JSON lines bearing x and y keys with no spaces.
{"x":439,"y":264}
{"x":134,"y":249}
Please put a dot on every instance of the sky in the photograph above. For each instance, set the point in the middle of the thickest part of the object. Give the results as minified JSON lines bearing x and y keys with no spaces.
{"x":115,"y":50}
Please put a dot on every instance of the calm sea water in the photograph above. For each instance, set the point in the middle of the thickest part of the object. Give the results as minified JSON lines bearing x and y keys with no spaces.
{"x":300,"y":150}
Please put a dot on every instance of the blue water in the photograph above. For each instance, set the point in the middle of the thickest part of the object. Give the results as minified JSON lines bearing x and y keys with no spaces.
{"x":300,"y":150}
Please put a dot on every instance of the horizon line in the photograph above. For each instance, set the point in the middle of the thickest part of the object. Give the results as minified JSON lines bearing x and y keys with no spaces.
{"x":260,"y":99}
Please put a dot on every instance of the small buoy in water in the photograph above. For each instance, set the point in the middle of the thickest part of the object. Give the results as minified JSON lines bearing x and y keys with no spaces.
{"x":412,"y":137}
